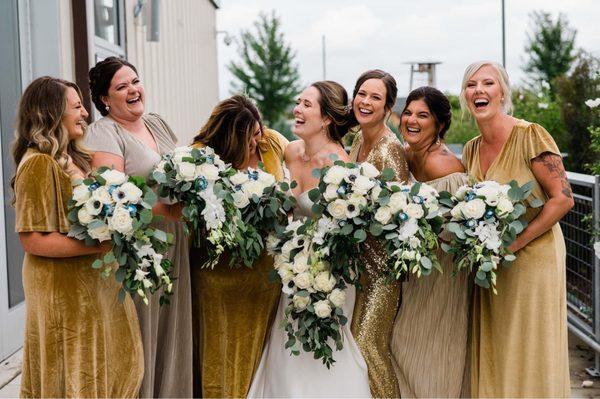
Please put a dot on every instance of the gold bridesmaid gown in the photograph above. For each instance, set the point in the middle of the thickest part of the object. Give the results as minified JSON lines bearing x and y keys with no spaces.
{"x":80,"y":341}
{"x":233,"y":308}
{"x":377,"y":302}
{"x":520,"y":346}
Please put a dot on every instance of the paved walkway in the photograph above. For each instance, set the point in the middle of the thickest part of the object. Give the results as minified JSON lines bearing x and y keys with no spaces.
{"x":580,"y":355}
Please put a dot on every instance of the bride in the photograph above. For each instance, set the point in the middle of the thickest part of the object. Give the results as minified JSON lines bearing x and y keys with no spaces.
{"x":321,"y":120}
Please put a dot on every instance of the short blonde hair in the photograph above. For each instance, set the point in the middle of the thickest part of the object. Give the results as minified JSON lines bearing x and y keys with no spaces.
{"x":507,"y":104}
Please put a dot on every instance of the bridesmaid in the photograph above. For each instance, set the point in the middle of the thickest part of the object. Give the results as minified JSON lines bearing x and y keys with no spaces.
{"x":233,"y":308}
{"x":80,"y":341}
{"x":520,"y":335}
{"x":430,"y":333}
{"x":133,"y":142}
{"x":377,"y":303}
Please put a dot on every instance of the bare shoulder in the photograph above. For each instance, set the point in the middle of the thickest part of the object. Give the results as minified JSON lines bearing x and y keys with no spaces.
{"x":293,"y":150}
{"x":441,"y":163}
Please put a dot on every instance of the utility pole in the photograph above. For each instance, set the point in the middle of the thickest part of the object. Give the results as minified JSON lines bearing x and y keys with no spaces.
{"x":503,"y":38}
{"x":324,"y":59}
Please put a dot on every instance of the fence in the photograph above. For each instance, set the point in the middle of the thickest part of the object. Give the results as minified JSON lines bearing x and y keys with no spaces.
{"x":583,"y":267}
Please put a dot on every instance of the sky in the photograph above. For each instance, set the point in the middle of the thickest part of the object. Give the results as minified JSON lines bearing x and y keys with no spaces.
{"x":385,"y":34}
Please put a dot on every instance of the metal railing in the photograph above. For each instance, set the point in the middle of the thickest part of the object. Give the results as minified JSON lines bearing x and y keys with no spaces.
{"x":583,"y":267}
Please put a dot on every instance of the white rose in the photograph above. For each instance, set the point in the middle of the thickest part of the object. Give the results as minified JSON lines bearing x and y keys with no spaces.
{"x":383,"y":215}
{"x":322,"y":309}
{"x":504,"y":207}
{"x":93,"y":206}
{"x":490,"y":193}
{"x":253,"y":187}
{"x":101,"y":194}
{"x":358,"y":200}
{"x":81,"y":194}
{"x":414,"y":211}
{"x":474,"y":209}
{"x":408,"y":229}
{"x":337,"y":297}
{"x":121,"y":221}
{"x":300,"y":302}
{"x":324,"y":282}
{"x":186,"y":171}
{"x":181,"y":152}
{"x":210,"y":172}
{"x":84,"y":216}
{"x":362,"y":184}
{"x":286,"y":275}
{"x":456,"y":212}
{"x":240,"y":200}
{"x":100,"y":233}
{"x":133,"y":194}
{"x":239,"y":178}
{"x":266,"y":179}
{"x":398,"y":201}
{"x":369,"y":170}
{"x":114,"y":177}
{"x":461,"y":192}
{"x":300,"y":264}
{"x":375,"y":192}
{"x":330,"y":192}
{"x":303,"y":280}
{"x":337,"y":209}
{"x":335,"y":175}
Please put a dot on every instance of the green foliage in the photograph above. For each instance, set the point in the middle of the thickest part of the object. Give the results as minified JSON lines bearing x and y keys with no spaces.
{"x":595,"y":136}
{"x":573,"y":90}
{"x":267,"y":71}
{"x":550,"y":47}
{"x":463,"y":128}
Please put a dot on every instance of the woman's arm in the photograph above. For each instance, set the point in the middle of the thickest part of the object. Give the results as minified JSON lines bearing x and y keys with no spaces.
{"x":170,"y":212}
{"x":57,"y":245}
{"x":550,"y":173}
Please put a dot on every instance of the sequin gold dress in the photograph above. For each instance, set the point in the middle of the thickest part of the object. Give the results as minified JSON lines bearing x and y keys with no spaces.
{"x":429,"y":341}
{"x":80,"y":341}
{"x":519,"y":346}
{"x":377,"y":303}
{"x":233,"y":307}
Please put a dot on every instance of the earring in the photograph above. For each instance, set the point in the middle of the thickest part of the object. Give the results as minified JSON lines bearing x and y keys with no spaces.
{"x":107,"y":108}
{"x":502,"y":99}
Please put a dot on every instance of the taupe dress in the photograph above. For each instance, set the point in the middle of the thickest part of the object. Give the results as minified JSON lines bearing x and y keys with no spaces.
{"x":377,"y":302}
{"x":429,"y":341}
{"x":166,"y":330}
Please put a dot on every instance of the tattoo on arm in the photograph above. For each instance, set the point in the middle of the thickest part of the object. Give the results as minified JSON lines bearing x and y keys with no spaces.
{"x":554,"y":165}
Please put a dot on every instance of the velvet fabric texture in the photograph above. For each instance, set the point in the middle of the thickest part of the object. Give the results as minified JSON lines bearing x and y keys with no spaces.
{"x":520,"y":344}
{"x":80,"y":341}
{"x":233,"y":307}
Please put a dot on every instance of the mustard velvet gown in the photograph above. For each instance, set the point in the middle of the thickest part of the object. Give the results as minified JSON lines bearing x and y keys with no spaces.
{"x":233,"y":308}
{"x":377,"y":302}
{"x":519,"y":346}
{"x":80,"y":341}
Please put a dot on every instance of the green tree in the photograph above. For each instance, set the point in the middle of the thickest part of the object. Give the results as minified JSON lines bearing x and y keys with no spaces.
{"x":550,"y":47}
{"x":267,"y":71}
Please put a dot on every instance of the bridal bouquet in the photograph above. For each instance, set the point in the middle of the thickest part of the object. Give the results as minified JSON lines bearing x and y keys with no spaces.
{"x":196,"y":177}
{"x":409,"y":220}
{"x":263,"y":204}
{"x":316,"y":290}
{"x":112,"y":206}
{"x":485,"y":220}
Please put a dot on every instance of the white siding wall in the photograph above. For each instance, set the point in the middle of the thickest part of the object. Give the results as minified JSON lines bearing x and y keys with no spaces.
{"x":179,"y":72}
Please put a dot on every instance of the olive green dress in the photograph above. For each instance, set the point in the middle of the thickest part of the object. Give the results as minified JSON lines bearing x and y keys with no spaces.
{"x":80,"y":341}
{"x":430,"y":333}
{"x":166,"y":330}
{"x":377,"y":302}
{"x":233,"y":307}
{"x":520,"y":335}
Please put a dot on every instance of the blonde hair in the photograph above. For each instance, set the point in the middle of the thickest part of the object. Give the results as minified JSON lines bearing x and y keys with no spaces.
{"x":507,"y":104}
{"x":39,"y":125}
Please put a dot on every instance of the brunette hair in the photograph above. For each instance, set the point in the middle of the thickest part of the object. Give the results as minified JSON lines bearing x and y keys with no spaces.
{"x":333,"y":101}
{"x":438,"y":105}
{"x":391,"y":89}
{"x":39,"y":125}
{"x":229,"y":129}
{"x":100,"y":77}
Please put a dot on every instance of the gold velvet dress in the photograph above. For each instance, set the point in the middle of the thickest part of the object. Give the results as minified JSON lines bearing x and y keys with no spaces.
{"x":80,"y":341}
{"x":429,"y":341}
{"x":233,"y":308}
{"x":519,"y":344}
{"x":377,"y":303}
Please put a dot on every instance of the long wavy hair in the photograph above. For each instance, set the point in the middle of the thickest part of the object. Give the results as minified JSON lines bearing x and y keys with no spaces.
{"x":333,"y":101}
{"x":39,"y":125}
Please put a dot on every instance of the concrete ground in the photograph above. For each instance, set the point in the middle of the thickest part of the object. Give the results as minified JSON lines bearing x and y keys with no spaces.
{"x":580,"y":358}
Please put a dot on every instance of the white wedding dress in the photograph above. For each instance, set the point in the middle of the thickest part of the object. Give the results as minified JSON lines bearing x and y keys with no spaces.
{"x":281,"y":374}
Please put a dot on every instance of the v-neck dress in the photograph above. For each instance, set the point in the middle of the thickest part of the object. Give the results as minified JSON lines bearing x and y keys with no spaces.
{"x":519,"y":345}
{"x":166,"y":330}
